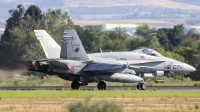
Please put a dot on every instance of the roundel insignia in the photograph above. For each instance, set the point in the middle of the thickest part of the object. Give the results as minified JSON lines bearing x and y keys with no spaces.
{"x":76,"y":50}
{"x":72,"y":69}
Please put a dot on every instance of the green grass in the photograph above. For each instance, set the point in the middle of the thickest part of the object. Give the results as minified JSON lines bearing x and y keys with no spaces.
{"x":99,"y":94}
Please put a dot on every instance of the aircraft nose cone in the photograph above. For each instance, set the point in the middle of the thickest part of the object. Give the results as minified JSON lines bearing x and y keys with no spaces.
{"x":189,"y":68}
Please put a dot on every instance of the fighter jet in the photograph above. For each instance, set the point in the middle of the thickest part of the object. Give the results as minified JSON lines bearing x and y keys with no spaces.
{"x":71,"y":62}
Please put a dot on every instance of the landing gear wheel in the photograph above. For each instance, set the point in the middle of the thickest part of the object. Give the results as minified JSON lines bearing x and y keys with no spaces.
{"x":75,"y":85}
{"x":101,"y":85}
{"x":143,"y":86}
{"x":138,"y":86}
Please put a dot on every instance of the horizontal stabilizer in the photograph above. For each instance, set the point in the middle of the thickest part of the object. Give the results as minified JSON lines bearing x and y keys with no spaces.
{"x":59,"y":64}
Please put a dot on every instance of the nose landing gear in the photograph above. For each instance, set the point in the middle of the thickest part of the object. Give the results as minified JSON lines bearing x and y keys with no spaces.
{"x":142,"y":85}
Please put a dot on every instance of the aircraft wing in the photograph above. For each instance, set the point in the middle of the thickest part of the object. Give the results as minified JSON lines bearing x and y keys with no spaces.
{"x":102,"y":66}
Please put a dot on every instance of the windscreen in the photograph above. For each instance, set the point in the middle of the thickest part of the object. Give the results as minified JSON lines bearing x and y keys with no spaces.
{"x":149,"y":52}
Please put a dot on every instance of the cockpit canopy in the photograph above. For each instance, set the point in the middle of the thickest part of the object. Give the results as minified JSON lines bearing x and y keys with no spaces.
{"x":148,"y":52}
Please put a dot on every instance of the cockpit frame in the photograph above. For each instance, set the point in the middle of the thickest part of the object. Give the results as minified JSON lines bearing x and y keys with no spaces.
{"x":149,"y":51}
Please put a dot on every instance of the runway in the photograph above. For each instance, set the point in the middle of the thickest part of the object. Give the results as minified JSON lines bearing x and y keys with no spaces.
{"x":95,"y":88}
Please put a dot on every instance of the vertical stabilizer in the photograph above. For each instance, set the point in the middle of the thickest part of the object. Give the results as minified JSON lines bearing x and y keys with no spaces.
{"x":72,"y":48}
{"x":50,"y":47}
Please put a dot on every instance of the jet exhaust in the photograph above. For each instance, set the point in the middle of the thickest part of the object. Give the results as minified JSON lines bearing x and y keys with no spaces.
{"x":29,"y":66}
{"x":37,"y":66}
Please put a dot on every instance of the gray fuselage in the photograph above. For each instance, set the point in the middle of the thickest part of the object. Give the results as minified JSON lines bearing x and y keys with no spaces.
{"x":143,"y":60}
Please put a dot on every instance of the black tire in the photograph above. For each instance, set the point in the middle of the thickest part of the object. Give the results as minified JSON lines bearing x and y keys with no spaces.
{"x":138,"y":86}
{"x":101,"y":85}
{"x":75,"y":85}
{"x":104,"y":85}
{"x":143,"y":86}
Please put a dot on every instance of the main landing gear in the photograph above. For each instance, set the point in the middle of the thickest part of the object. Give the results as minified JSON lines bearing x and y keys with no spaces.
{"x":101,"y":85}
{"x":76,"y":84}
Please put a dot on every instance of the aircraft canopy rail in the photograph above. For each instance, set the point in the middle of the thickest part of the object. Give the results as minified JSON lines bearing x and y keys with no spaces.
{"x":148,"y":51}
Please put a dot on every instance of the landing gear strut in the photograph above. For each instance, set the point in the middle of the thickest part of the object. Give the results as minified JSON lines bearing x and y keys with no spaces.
{"x":75,"y":85}
{"x":101,"y":85}
{"x":142,"y":85}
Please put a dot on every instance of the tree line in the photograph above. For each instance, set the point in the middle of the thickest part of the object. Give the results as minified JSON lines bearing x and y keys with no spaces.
{"x":19,"y":42}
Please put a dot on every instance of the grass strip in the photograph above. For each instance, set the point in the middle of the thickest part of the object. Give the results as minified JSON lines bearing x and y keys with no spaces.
{"x":5,"y":94}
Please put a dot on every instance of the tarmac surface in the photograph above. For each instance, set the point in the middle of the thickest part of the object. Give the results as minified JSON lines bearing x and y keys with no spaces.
{"x":95,"y":88}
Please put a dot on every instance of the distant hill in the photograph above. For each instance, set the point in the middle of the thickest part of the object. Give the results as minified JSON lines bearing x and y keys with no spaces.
{"x":131,"y":9}
{"x":192,"y":2}
{"x":113,"y":9}
{"x":151,"y":3}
